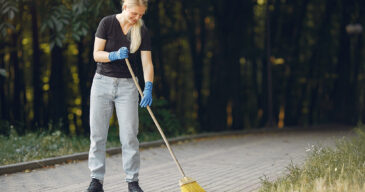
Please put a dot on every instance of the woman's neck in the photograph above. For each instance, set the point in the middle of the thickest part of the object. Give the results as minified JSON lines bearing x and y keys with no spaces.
{"x":123,"y":21}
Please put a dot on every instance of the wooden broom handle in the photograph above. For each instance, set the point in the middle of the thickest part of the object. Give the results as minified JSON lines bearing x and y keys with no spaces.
{"x":154,"y":119}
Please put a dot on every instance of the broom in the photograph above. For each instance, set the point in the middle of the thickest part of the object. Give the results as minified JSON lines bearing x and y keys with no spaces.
{"x":187,"y":184}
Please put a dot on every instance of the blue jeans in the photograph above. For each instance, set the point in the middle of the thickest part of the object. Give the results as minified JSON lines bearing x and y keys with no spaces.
{"x":107,"y":92}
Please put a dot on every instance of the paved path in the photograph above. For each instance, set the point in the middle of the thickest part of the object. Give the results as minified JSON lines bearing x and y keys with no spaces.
{"x":220,"y":164}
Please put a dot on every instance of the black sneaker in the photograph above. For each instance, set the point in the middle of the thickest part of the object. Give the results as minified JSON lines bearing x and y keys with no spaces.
{"x":134,"y":187}
{"x":95,"y":186}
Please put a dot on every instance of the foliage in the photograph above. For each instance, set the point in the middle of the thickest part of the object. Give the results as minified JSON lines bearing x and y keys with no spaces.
{"x":8,"y":10}
{"x":326,"y":169}
{"x":169,"y":123}
{"x":64,"y":20}
{"x":56,"y":22}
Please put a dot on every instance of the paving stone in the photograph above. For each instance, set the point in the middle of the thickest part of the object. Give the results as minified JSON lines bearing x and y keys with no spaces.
{"x":219,"y":164}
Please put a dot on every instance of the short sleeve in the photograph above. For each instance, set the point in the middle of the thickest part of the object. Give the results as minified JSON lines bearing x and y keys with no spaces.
{"x":102,"y":29}
{"x":146,"y":40}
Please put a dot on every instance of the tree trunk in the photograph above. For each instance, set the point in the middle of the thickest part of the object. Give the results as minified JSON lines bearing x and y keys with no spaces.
{"x":58,"y":106}
{"x":4,"y":94}
{"x":216,"y":118}
{"x":84,"y":91}
{"x":38,"y":120}
{"x":162,"y":88}
{"x":218,"y":98}
{"x":318,"y":62}
{"x":342,"y":91}
{"x":256,"y":115}
{"x":225,"y":106}
{"x":89,"y":72}
{"x":238,"y":46}
{"x":292,"y":107}
{"x":195,"y":22}
{"x":18,"y":116}
{"x":359,"y":59}
{"x":269,"y":110}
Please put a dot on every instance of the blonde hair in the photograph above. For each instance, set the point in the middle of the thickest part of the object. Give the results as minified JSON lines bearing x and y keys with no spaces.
{"x":135,"y":35}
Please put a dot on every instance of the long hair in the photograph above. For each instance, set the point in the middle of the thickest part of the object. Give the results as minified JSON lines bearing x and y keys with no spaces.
{"x":135,"y":35}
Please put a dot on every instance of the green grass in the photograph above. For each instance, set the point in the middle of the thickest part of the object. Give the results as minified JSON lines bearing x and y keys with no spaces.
{"x":17,"y":148}
{"x":326,"y":169}
{"x":34,"y":146}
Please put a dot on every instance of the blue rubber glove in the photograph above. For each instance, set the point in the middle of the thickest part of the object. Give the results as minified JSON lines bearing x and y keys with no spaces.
{"x":147,"y":95}
{"x":122,"y":53}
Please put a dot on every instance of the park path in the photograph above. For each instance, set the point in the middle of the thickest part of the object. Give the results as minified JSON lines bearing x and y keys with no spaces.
{"x":219,"y":164}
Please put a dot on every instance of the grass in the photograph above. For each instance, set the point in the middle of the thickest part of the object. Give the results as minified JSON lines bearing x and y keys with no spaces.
{"x":17,"y":148}
{"x":340,"y":169}
{"x":34,"y":146}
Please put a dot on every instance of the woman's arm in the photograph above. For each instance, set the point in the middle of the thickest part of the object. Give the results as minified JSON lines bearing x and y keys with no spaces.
{"x":99,"y":54}
{"x":148,"y":78}
{"x":147,"y":65}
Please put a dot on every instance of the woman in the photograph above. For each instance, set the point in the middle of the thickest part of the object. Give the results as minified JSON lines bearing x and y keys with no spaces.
{"x":113,"y":86}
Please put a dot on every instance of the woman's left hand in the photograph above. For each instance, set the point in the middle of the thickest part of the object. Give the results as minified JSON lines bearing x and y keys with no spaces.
{"x":147,"y":95}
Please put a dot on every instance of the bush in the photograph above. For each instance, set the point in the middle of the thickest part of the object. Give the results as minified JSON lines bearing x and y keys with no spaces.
{"x":4,"y":128}
{"x":169,"y":123}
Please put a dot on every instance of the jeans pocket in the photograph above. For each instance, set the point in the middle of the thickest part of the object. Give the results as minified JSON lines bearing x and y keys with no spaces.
{"x":98,"y":76}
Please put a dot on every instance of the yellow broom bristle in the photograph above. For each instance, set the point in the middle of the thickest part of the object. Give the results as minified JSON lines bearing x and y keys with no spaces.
{"x":189,"y":185}
{"x":192,"y":187}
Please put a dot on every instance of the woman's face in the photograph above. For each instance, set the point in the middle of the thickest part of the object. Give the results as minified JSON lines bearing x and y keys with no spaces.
{"x":134,"y":13}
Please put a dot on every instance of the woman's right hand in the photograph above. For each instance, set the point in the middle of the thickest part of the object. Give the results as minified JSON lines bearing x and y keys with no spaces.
{"x":122,"y":53}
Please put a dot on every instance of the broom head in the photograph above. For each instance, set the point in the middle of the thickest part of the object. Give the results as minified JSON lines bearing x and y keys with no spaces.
{"x":188,"y":184}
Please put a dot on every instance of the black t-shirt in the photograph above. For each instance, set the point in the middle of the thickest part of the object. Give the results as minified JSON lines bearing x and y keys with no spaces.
{"x":110,"y":30}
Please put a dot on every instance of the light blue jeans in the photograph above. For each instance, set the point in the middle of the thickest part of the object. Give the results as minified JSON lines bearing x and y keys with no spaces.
{"x":107,"y":92}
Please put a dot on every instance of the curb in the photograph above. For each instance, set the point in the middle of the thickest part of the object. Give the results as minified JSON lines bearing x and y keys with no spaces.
{"x":43,"y":163}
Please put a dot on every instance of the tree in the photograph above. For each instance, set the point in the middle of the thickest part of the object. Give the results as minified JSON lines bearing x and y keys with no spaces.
{"x":195,"y":15}
{"x":225,"y":70}
{"x":56,"y":22}
{"x":38,"y":107}
{"x":7,"y":16}
{"x":83,"y":12}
